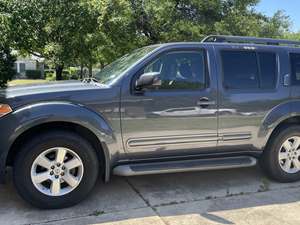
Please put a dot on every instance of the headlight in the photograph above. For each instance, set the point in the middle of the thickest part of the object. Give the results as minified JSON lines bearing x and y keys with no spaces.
{"x":4,"y":109}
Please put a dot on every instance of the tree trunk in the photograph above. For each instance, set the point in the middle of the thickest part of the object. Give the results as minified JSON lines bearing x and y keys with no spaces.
{"x":101,"y":65}
{"x":81,"y":72}
{"x":58,"y":71}
{"x":90,"y":70}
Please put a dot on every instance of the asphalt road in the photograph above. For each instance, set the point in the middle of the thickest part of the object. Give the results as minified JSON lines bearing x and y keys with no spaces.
{"x":240,"y":196}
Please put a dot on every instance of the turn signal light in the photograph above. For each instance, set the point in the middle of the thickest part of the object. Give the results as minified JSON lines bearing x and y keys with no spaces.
{"x":4,"y":109}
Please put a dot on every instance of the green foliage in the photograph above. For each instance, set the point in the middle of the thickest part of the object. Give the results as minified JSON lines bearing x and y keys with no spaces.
{"x":69,"y":74}
{"x":6,"y":58}
{"x":293,"y":36}
{"x":54,"y":29}
{"x":50,"y":75}
{"x":93,"y":32}
{"x":6,"y":65}
{"x":128,"y":24}
{"x":73,"y":73}
{"x":33,"y":74}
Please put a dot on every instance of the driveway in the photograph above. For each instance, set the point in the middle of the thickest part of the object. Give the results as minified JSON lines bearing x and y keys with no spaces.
{"x":241,"y":196}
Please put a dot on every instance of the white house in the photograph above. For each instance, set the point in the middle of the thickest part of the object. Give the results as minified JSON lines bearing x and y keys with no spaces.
{"x":29,"y":63}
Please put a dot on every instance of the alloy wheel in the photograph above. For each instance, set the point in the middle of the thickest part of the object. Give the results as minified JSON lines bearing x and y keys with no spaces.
{"x":289,"y":155}
{"x":57,"y":171}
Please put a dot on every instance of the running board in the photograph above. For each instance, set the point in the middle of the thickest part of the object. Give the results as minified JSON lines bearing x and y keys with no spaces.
{"x":184,"y":166}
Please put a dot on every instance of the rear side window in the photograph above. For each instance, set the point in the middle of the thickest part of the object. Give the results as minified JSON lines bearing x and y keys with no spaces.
{"x":295,"y":66}
{"x":240,"y":70}
{"x":249,"y":70}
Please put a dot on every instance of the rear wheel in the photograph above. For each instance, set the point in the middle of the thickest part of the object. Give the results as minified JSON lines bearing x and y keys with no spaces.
{"x":55,"y":170}
{"x":281,"y":159}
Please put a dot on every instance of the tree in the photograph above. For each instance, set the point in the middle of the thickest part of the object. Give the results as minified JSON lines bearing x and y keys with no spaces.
{"x":6,"y":65}
{"x":117,"y":29}
{"x":89,"y":32}
{"x":50,"y":29}
{"x":128,"y":24}
{"x":293,"y":36}
{"x":6,"y":58}
{"x":191,"y":20}
{"x":176,"y":20}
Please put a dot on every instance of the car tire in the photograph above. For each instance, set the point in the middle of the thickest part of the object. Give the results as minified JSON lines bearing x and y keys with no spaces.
{"x":281,"y":158}
{"x":80,"y":167}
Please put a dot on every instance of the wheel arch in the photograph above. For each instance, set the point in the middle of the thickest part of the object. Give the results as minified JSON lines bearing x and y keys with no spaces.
{"x":91,"y":137}
{"x":294,"y":120}
{"x":41,"y":117}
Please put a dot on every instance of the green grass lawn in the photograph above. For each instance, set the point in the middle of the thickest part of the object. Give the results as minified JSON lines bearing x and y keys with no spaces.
{"x":25,"y":81}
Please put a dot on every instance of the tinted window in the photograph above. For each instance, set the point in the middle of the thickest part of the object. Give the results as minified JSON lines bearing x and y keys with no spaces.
{"x":240,"y":70}
{"x":295,"y":64}
{"x":268,"y":74}
{"x":249,"y":70}
{"x":180,"y":70}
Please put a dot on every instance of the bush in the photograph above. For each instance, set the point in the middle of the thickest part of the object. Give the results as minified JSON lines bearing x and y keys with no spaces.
{"x":50,"y":75}
{"x":74,"y":73}
{"x":33,"y":74}
{"x":68,"y":74}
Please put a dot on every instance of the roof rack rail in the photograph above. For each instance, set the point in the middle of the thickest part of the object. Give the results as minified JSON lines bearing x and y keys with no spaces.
{"x":252,"y":40}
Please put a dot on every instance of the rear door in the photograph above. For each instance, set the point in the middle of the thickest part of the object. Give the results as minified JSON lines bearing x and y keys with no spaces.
{"x":251,"y":85}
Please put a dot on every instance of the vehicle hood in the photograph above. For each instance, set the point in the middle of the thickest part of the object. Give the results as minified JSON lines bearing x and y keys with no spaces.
{"x":60,"y":90}
{"x":50,"y":87}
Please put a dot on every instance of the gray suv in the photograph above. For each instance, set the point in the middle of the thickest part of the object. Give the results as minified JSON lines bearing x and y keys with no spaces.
{"x":225,"y":102}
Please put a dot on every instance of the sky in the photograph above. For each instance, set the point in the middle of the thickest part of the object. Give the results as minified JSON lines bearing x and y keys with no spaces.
{"x":291,"y":8}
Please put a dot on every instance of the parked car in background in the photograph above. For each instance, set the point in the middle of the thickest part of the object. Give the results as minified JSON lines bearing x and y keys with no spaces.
{"x":225,"y":102}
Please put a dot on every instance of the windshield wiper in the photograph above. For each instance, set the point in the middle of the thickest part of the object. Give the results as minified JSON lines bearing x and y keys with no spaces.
{"x":91,"y":80}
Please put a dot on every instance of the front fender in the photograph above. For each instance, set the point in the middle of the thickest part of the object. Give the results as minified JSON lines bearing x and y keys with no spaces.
{"x":24,"y":118}
{"x":41,"y":113}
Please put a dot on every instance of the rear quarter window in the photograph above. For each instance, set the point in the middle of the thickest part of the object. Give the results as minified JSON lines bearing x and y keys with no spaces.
{"x":295,"y":68}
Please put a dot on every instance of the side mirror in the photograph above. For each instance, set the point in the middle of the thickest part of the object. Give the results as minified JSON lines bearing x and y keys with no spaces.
{"x":148,"y":80}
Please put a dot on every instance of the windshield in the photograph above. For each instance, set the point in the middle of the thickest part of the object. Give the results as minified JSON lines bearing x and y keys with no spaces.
{"x":118,"y":67}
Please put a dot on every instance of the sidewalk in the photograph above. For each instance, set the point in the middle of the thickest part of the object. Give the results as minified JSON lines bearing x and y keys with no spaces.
{"x":242,"y":196}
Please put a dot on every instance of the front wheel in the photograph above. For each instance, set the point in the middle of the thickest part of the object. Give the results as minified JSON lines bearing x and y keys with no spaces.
{"x":281,"y":159}
{"x":55,"y":170}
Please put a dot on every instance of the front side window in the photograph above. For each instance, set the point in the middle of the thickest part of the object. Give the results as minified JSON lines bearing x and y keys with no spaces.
{"x":295,"y":67}
{"x":180,"y":70}
{"x":249,"y":70}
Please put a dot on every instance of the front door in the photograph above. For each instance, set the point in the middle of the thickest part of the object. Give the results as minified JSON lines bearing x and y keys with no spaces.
{"x":179,"y":116}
